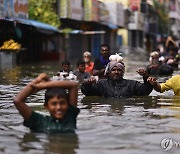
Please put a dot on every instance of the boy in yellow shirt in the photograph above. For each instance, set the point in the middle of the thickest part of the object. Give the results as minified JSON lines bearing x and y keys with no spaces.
{"x":172,"y":83}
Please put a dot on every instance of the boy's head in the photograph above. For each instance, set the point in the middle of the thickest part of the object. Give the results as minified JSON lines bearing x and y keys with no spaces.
{"x":81,"y":65}
{"x":66,"y":65}
{"x":56,"y":102}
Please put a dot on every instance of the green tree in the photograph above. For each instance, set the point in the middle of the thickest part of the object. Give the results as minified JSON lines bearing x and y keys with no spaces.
{"x":163,"y":17}
{"x":42,"y":10}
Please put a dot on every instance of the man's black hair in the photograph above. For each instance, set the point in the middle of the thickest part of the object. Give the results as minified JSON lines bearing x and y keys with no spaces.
{"x":105,"y":45}
{"x":80,"y":62}
{"x":65,"y":62}
{"x":55,"y":92}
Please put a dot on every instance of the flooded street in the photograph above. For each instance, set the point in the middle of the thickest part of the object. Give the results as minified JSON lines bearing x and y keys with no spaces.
{"x":104,"y":126}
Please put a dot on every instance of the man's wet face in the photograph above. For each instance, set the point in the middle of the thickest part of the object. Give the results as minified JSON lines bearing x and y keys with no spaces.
{"x":116,"y":73}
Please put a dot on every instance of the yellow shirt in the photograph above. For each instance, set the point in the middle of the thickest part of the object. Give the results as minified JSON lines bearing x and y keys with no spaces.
{"x":173,"y":83}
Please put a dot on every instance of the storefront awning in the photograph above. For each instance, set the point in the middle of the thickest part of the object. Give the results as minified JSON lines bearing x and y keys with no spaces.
{"x":40,"y":26}
{"x":87,"y":25}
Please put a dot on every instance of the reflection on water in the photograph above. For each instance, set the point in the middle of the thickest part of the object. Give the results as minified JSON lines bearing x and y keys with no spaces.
{"x":132,"y":125}
{"x":59,"y":143}
{"x":10,"y":76}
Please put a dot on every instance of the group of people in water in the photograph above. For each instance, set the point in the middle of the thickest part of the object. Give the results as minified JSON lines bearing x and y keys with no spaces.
{"x":163,"y":61}
{"x":61,"y":95}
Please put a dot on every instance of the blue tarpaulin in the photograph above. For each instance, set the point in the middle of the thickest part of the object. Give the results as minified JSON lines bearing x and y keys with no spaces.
{"x":39,"y":25}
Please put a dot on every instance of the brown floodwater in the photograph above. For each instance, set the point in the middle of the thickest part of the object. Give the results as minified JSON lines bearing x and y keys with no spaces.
{"x":135,"y":125}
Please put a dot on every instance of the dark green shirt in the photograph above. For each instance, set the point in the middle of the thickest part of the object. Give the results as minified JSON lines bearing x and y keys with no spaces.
{"x":48,"y":124}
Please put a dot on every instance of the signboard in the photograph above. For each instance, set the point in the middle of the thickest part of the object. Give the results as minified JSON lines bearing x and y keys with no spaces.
{"x":91,"y":10}
{"x":71,"y":9}
{"x":20,"y":8}
{"x":95,"y":11}
{"x":14,"y":8}
{"x":76,"y":9}
{"x":87,"y":10}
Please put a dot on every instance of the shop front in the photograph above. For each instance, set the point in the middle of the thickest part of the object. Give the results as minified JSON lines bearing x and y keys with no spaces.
{"x":37,"y":41}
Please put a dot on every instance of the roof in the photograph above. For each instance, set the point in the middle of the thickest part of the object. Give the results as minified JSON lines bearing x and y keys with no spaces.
{"x":89,"y":25}
{"x":42,"y":27}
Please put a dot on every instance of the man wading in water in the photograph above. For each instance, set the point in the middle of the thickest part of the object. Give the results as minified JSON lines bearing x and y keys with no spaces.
{"x":115,"y":86}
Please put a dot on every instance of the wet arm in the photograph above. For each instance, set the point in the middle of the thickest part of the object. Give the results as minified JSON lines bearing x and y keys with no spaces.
{"x":168,"y":85}
{"x":90,"y":89}
{"x":154,"y":83}
{"x":20,"y":101}
{"x":169,"y":39}
{"x":142,"y":72}
{"x":157,"y":87}
{"x":143,"y":89}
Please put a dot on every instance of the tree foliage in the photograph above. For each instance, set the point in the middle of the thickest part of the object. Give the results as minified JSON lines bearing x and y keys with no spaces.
{"x":42,"y":10}
{"x":163,"y":17}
